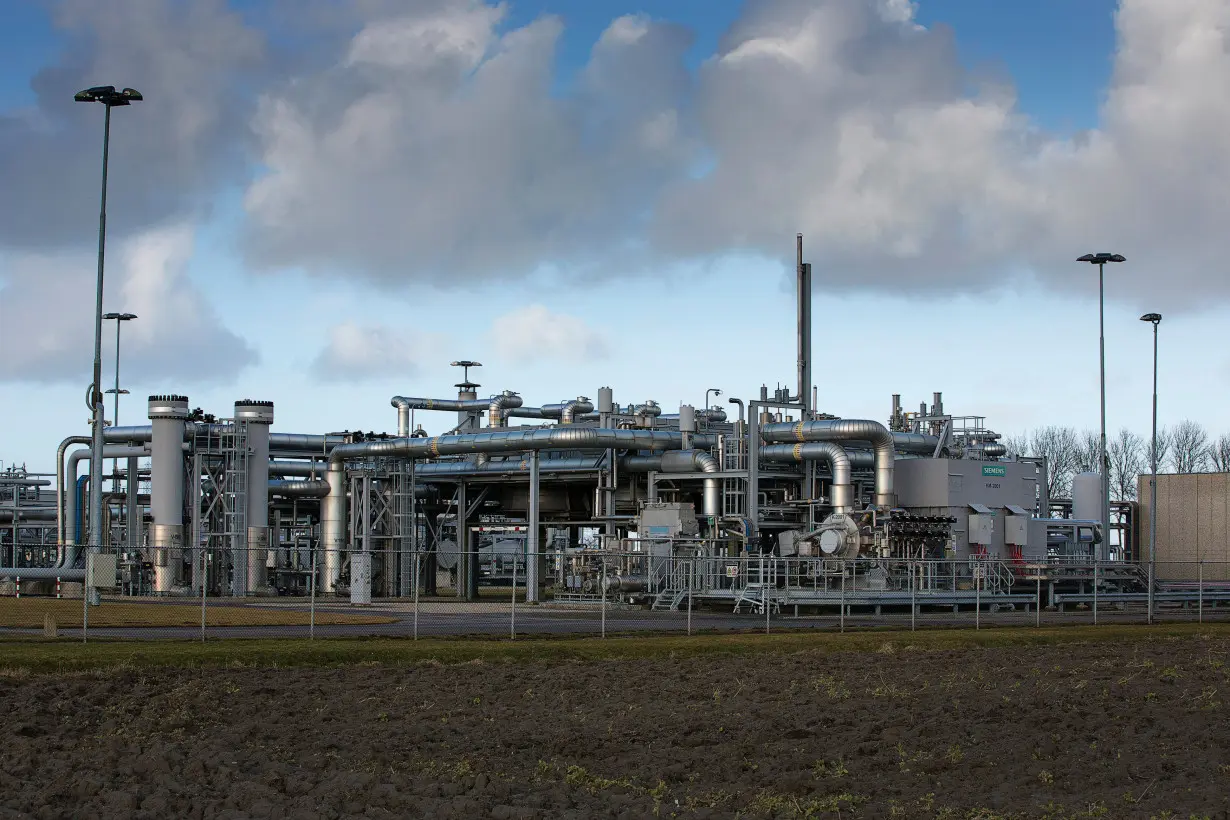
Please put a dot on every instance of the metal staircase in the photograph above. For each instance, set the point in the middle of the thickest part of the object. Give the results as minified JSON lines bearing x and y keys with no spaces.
{"x":757,"y":595}
{"x":668,"y":600}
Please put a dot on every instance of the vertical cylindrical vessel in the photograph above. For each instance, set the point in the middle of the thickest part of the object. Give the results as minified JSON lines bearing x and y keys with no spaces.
{"x":167,"y":415}
{"x":259,"y":416}
{"x":333,"y":526}
{"x":606,"y":400}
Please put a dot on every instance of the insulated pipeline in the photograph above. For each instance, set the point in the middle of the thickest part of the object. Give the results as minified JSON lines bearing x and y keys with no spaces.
{"x":879,"y":436}
{"x":834,"y":455}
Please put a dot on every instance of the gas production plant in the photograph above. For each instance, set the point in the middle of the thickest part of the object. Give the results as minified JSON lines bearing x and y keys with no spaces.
{"x":730,"y":505}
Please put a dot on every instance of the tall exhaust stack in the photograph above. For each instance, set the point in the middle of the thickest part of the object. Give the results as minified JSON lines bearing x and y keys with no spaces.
{"x":803,"y":271}
{"x":259,"y":416}
{"x":167,"y":415}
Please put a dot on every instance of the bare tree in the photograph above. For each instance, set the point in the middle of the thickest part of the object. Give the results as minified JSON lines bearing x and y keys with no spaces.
{"x":1058,"y":445}
{"x":1128,"y":459}
{"x":1189,"y":447}
{"x":1088,"y":451}
{"x":1018,"y":445}
{"x":1219,"y":454}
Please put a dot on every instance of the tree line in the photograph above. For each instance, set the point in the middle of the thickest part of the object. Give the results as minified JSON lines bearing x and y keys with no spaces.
{"x":1185,"y":448}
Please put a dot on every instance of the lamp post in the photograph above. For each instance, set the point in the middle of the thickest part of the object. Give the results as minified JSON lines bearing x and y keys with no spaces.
{"x":109,"y":98}
{"x":119,"y":318}
{"x":1155,"y":319}
{"x":1100,"y":259}
{"x":714,"y":391}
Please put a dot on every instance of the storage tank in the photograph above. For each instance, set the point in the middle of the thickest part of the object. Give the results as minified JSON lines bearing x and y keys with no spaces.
{"x":1087,"y":497}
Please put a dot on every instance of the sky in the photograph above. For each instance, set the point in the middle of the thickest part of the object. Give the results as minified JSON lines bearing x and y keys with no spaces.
{"x":324,"y":202}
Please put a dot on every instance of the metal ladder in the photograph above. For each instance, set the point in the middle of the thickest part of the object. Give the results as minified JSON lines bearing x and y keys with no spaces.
{"x":234,"y":446}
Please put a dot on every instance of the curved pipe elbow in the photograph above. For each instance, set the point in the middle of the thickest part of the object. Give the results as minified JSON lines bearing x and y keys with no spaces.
{"x":574,"y":409}
{"x":496,"y":416}
{"x":880,"y":437}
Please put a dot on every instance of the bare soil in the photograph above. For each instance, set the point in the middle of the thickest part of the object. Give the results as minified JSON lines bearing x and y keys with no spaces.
{"x":1093,"y":730}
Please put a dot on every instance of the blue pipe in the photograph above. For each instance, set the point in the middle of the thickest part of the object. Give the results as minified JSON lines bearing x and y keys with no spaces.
{"x":77,"y":524}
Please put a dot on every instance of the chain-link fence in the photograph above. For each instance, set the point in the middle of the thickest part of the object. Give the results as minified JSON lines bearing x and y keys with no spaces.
{"x":310,"y":593}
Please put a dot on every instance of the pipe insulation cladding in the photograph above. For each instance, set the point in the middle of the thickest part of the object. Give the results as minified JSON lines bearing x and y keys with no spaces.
{"x":834,"y":455}
{"x":257,"y":416}
{"x":683,"y":461}
{"x":877,"y":434}
{"x":167,"y":415}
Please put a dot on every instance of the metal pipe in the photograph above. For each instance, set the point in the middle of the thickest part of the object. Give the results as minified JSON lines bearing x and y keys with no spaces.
{"x":310,"y":488}
{"x":28,"y":514}
{"x":504,"y":441}
{"x":74,"y":459}
{"x":333,"y":524}
{"x":845,"y":430}
{"x":258,"y":416}
{"x":738,"y":402}
{"x":532,"y":558}
{"x":298,"y":469}
{"x":990,"y":449}
{"x":683,"y":461}
{"x":803,"y":282}
{"x":168,"y":415}
{"x":498,"y":405}
{"x":836,"y":457}
{"x":61,"y":530}
{"x":575,"y":408}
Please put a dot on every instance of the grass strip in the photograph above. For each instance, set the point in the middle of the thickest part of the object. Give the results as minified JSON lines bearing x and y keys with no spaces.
{"x":28,"y":613}
{"x":59,"y":656}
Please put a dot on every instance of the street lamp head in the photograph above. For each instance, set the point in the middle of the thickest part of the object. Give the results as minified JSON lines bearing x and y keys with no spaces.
{"x":122,"y":317}
{"x":466,"y":363}
{"x":112,"y":391}
{"x":1101,"y":258}
{"x":1155,"y":318}
{"x":108,"y":96}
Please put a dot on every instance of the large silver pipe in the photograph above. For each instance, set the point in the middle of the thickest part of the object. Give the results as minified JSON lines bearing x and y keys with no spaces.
{"x":990,"y":449}
{"x":69,"y":555}
{"x":259,"y":416}
{"x":514,"y":440}
{"x":309,"y":488}
{"x":833,"y":454}
{"x":498,"y":405}
{"x":574,"y":409}
{"x":297,"y":469}
{"x":438,"y":469}
{"x":803,"y":281}
{"x":683,"y":461}
{"x":168,"y":415}
{"x":28,"y":514}
{"x":879,"y":436}
{"x":333,"y":525}
{"x":126,"y":435}
{"x":60,"y":468}
{"x":916,"y":443}
{"x":304,"y":442}
{"x":24,"y":482}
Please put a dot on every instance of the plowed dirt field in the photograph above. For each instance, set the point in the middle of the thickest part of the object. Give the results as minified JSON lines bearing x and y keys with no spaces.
{"x":1093,"y":730}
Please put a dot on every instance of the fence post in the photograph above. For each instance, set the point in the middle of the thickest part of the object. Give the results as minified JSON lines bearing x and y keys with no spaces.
{"x":513,"y":620}
{"x":1150,"y":606}
{"x":978,"y":571}
{"x":843,"y":594}
{"x":312,"y":602}
{"x":85,"y":599}
{"x":1038,"y":601}
{"x":691,"y":572}
{"x":603,"y":585}
{"x":764,"y":586}
{"x":1200,"y":592}
{"x":913,"y":594}
{"x":204,"y":589}
{"x":1095,"y":592}
{"x":418,"y":574}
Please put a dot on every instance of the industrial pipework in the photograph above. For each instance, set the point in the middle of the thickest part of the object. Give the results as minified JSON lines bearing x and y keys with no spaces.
{"x":256,"y":416}
{"x":846,"y":430}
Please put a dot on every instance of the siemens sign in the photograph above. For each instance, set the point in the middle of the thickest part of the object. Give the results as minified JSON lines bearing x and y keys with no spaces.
{"x":994,"y":471}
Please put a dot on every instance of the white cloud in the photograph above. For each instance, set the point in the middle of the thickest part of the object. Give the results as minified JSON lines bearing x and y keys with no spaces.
{"x":47,"y":312}
{"x":436,"y":148}
{"x":534,"y":334}
{"x":358,"y":353}
{"x":169,"y":154}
